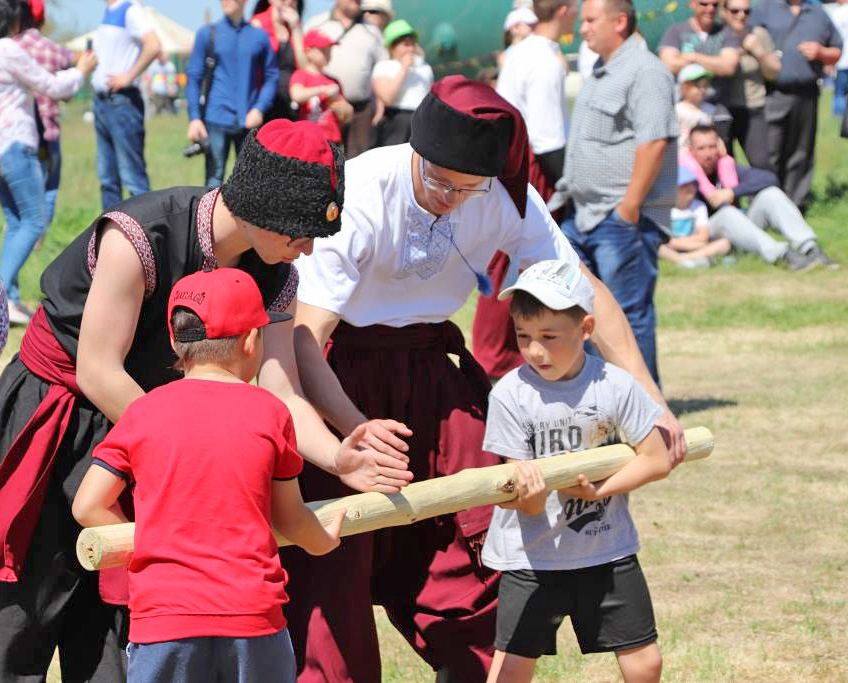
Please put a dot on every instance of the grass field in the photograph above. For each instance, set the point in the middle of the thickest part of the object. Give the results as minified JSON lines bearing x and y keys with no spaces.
{"x":746,"y":553}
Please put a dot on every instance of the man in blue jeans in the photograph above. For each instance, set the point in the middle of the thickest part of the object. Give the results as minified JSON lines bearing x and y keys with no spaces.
{"x":621,"y":165}
{"x":125,"y":44}
{"x":244,"y":84}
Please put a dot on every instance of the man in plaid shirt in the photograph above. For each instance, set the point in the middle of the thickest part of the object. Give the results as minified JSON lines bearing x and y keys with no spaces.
{"x":54,"y":58}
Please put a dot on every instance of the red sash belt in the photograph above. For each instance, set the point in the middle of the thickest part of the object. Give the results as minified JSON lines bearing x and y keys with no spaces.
{"x":26,"y":468}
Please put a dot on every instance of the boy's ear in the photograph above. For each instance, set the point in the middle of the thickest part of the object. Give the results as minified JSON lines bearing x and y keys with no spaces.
{"x":250,"y":342}
{"x":588,"y":326}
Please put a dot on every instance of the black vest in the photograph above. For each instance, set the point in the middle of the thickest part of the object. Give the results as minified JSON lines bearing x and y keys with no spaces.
{"x":171,"y":231}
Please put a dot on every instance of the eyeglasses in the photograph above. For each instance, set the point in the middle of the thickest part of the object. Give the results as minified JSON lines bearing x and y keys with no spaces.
{"x":705,"y":5}
{"x":445,"y":189}
{"x":739,"y":10}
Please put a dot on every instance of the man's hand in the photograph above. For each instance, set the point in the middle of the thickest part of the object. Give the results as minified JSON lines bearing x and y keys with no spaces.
{"x":253,"y":119}
{"x":810,"y":49}
{"x":120,"y":81}
{"x":197,"y":130}
{"x":721,"y":197}
{"x":628,"y":213}
{"x":373,"y":457}
{"x":672,"y":433}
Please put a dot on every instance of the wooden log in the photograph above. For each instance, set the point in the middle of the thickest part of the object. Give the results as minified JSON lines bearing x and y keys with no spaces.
{"x":111,"y":546}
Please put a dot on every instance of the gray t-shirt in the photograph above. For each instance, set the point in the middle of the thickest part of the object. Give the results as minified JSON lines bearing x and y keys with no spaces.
{"x":530,"y":417}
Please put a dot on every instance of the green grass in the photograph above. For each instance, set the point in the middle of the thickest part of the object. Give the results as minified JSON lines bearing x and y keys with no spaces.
{"x":745,"y":552}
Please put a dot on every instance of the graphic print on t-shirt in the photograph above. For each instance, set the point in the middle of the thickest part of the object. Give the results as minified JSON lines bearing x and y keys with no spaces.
{"x":585,"y":428}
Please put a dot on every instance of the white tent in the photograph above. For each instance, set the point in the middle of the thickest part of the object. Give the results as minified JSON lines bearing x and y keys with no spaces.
{"x":175,"y":39}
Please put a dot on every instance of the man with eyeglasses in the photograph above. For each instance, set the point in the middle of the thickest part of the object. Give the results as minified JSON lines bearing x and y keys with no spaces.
{"x":420,"y":224}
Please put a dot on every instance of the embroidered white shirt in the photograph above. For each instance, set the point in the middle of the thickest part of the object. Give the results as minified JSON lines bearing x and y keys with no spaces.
{"x":393,"y":263}
{"x":20,"y":75}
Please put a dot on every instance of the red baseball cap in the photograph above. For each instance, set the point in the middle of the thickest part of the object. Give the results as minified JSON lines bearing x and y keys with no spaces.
{"x":227,"y":300}
{"x":316,"y":38}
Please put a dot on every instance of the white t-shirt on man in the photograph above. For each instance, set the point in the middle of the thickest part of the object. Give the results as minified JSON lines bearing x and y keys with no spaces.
{"x":117,"y":42}
{"x":393,"y":263}
{"x":533,"y":81}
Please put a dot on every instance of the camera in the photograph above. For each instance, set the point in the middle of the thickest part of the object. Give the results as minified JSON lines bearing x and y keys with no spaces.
{"x":200,"y":147}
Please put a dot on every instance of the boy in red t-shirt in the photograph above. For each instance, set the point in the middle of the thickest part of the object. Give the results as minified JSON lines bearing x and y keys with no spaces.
{"x":318,"y":96}
{"x":213,"y":462}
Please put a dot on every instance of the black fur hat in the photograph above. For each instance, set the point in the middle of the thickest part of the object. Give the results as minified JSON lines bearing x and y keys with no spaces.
{"x":289,"y":179}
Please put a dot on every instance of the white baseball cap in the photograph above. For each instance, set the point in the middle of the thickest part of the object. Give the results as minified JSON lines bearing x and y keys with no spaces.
{"x":520,"y":15}
{"x":557,"y":284}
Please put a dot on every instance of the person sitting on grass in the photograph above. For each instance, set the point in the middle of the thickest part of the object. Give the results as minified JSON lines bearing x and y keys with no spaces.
{"x":217,"y":471}
{"x":319,"y":97}
{"x":572,"y":551}
{"x":769,"y":207}
{"x":690,"y":245}
{"x":693,"y":110}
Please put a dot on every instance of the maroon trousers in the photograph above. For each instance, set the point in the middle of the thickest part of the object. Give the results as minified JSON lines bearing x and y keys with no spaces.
{"x":427,"y":576}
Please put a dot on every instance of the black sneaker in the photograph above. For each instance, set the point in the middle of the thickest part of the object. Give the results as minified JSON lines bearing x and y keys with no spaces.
{"x":797,"y":262}
{"x":822,"y":259}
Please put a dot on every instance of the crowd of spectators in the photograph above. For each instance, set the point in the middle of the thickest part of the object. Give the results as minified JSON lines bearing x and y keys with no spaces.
{"x":750,"y":75}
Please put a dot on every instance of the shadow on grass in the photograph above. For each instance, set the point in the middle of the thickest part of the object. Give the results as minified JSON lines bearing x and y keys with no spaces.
{"x":684,"y":406}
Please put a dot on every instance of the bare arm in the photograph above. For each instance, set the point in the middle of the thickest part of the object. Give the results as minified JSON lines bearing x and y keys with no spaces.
{"x":301,"y":93}
{"x":298,"y":523}
{"x":650,"y":464}
{"x":758,"y":43}
{"x":616,"y":342}
{"x":108,"y":326}
{"x":372,"y":457}
{"x":723,"y":64}
{"x":96,"y":502}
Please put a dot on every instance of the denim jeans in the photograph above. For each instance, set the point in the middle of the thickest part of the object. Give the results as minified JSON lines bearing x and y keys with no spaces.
{"x":624,"y":256}
{"x":22,"y":197}
{"x":220,"y":139}
{"x":259,"y":659}
{"x":840,"y":92}
{"x":119,"y":125}
{"x":51,"y":167}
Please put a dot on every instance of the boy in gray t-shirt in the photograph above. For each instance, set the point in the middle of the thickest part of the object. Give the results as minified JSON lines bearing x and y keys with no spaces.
{"x":572,"y":551}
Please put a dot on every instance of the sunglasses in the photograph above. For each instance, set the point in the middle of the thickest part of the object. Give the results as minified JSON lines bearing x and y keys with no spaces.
{"x":705,"y":5}
{"x":739,"y":10}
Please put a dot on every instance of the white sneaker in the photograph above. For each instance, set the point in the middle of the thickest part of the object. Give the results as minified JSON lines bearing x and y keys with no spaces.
{"x":19,"y":314}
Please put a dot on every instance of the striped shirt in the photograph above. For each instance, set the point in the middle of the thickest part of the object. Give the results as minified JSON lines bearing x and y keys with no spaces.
{"x":54,"y":58}
{"x":626,"y":102}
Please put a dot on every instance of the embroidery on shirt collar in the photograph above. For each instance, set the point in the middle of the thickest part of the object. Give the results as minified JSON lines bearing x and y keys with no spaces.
{"x":426,"y":244}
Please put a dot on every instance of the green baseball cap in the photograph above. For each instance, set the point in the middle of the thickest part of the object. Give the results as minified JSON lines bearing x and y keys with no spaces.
{"x":399,"y":28}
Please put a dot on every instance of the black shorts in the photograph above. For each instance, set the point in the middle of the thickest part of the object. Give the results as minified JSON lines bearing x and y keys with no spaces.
{"x":609,"y":606}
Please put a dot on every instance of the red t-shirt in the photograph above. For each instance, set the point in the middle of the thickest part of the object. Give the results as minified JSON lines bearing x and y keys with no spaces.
{"x":316,"y":108}
{"x":201,"y":456}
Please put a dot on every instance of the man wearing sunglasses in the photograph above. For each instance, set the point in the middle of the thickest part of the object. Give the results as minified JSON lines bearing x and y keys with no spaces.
{"x":420,"y":224}
{"x":701,"y":40}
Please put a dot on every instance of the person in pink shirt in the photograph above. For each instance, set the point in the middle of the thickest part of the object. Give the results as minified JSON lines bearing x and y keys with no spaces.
{"x":21,"y":177}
